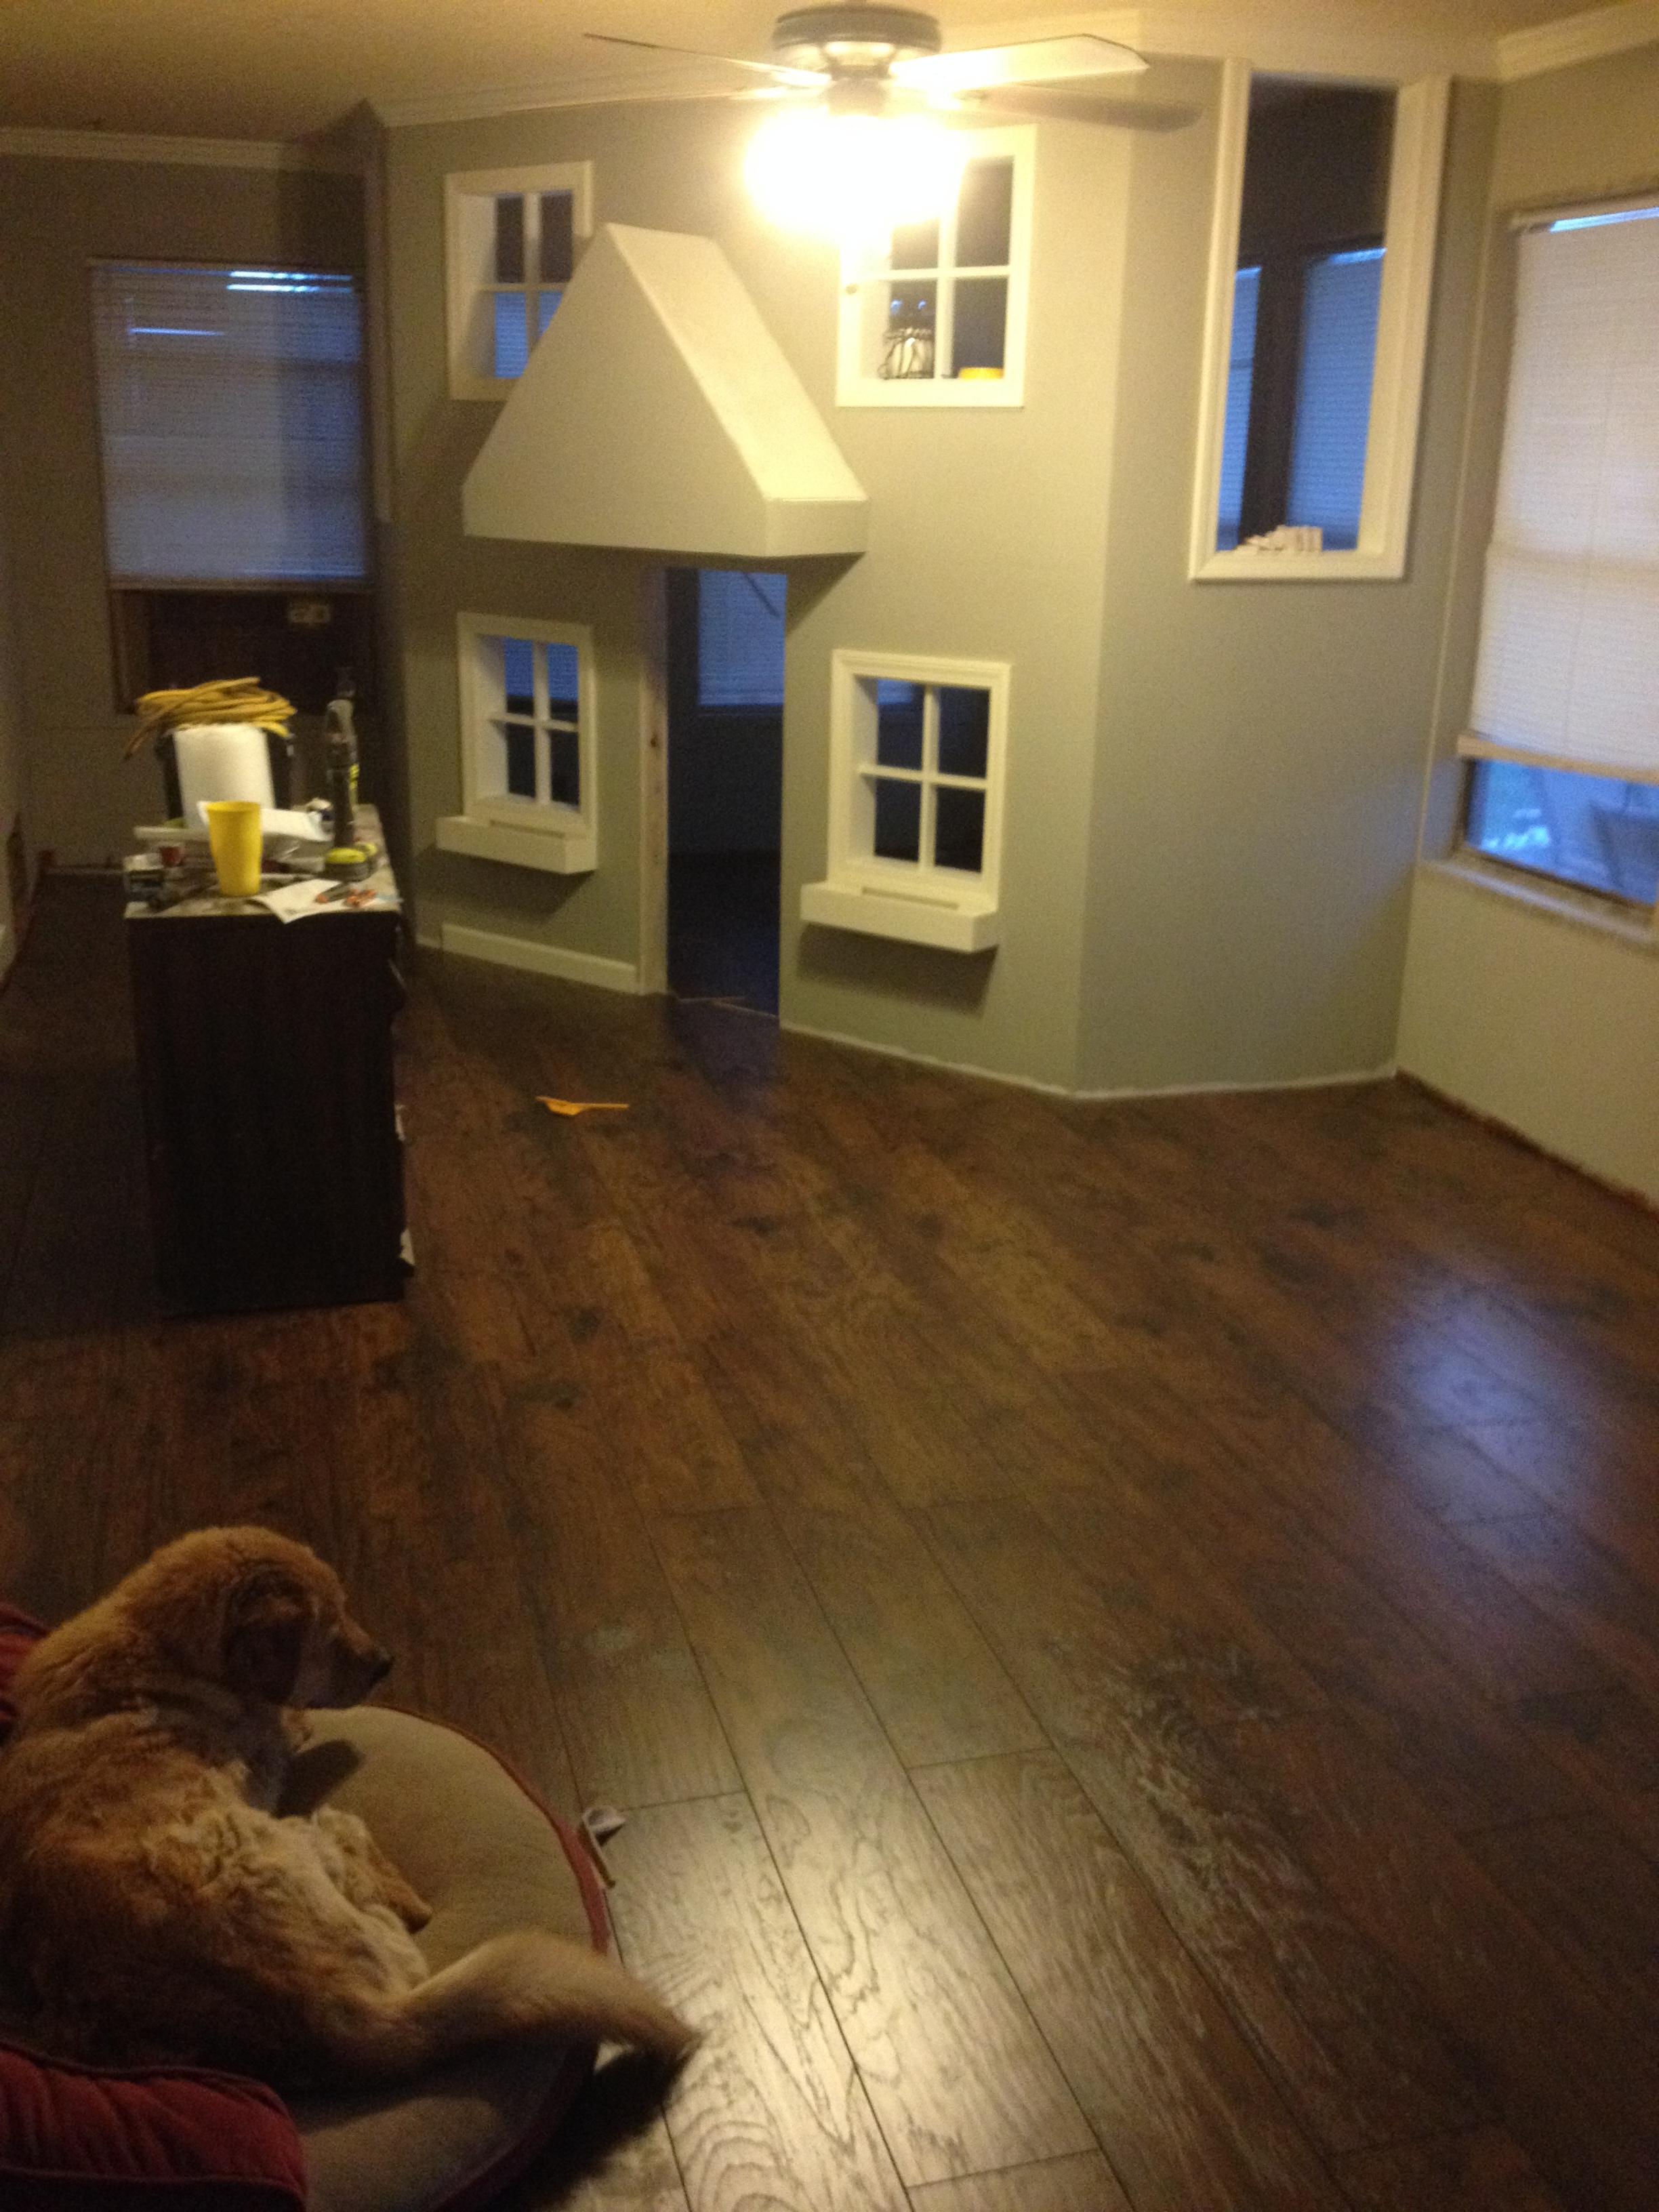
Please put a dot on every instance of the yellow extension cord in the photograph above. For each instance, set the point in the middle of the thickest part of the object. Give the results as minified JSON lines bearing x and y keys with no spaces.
{"x":233,"y":699}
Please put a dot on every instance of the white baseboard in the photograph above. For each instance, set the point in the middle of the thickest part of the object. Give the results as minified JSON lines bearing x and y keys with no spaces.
{"x":540,"y":959}
{"x":1091,"y":1097}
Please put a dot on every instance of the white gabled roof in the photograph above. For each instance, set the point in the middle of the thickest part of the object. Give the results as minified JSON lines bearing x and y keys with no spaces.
{"x":658,"y":412}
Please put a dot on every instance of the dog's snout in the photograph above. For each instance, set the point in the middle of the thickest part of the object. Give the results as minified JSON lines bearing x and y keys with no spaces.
{"x":380,"y":1665}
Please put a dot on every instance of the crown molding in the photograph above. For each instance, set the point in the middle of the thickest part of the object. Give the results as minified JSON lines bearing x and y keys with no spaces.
{"x":187,"y":153}
{"x":1586,"y":38}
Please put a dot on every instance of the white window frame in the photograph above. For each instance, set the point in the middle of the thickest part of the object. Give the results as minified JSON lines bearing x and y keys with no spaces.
{"x":860,"y":271}
{"x":470,"y":198}
{"x":911,"y":899}
{"x":494,"y":825}
{"x":1409,"y":235}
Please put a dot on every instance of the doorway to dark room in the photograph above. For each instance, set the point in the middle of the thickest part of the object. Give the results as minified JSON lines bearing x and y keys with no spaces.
{"x":724,"y":783}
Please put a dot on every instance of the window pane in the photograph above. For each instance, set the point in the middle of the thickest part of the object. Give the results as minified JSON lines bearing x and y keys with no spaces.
{"x":985,"y":215}
{"x":519,"y":739}
{"x":1339,"y":301}
{"x":916,"y":245}
{"x":964,"y":730}
{"x":558,"y":240}
{"x":898,"y":723}
{"x":1586,"y":829}
{"x":565,"y":768}
{"x":561,"y":682}
{"x":958,"y":828}
{"x":512,"y":338}
{"x":898,"y":820}
{"x":1241,"y":362}
{"x":907,"y":340}
{"x":739,"y":638}
{"x":518,"y":675}
{"x":509,"y":239}
{"x":547,"y":306}
{"x":981,"y":319}
{"x":230,"y":414}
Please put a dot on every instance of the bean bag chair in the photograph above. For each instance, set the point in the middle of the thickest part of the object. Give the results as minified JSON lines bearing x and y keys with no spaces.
{"x":488,"y":1857}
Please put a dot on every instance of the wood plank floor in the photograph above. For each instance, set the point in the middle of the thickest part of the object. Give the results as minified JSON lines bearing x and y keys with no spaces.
{"x":1128,"y":1635}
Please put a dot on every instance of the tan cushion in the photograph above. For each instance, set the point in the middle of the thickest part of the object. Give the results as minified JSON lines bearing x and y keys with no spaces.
{"x":486,"y":1858}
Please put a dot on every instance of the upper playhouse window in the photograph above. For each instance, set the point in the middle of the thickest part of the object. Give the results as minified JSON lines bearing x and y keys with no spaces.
{"x":916,"y":753}
{"x":511,"y":241}
{"x":527,"y":752}
{"x":1327,"y":195}
{"x":938,"y":319}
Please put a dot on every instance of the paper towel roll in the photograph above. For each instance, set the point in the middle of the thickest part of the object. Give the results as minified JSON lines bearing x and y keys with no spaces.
{"x":223,"y":760}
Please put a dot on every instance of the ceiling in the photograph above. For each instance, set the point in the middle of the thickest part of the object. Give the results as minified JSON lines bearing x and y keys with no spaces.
{"x":286,"y":69}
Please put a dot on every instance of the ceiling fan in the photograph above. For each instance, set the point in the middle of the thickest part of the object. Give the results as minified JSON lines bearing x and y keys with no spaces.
{"x":860,"y":57}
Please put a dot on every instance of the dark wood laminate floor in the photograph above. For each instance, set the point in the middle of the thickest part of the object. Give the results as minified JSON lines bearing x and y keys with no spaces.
{"x":1130,"y":1635}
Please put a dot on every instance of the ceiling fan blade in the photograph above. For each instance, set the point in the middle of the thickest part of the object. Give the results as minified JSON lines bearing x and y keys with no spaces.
{"x":1058,"y":103}
{"x":797,"y":79}
{"x":1032,"y":61}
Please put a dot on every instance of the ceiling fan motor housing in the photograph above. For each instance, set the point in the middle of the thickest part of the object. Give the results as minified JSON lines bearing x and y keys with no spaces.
{"x":854,"y":40}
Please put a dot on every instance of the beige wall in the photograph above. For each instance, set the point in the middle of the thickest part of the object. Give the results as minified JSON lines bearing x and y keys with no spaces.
{"x":54,"y":217}
{"x":988,"y":540}
{"x":1260,"y":744}
{"x":1549,"y":1026}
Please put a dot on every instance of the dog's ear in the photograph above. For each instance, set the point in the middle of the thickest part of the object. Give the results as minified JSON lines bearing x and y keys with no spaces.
{"x":265,"y":1623}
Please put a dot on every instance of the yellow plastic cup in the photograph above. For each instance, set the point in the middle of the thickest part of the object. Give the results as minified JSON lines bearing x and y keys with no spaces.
{"x":232,"y":827}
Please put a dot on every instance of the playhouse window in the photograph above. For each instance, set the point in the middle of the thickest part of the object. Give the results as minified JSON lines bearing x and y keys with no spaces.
{"x":938,"y":319}
{"x":916,"y":751}
{"x":512,"y":238}
{"x":527,"y":708}
{"x":1327,"y":196}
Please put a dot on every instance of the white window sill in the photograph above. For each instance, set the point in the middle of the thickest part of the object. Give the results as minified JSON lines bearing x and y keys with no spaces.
{"x":558,"y":850}
{"x":1238,"y":566}
{"x":930,"y":392}
{"x":966,"y":924}
{"x":1559,"y":901}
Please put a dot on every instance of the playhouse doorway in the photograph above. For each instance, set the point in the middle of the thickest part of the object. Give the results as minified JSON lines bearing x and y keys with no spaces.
{"x":724,"y":783}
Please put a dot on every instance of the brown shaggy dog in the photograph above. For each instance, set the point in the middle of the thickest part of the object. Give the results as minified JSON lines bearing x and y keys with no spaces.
{"x":161,"y":1910}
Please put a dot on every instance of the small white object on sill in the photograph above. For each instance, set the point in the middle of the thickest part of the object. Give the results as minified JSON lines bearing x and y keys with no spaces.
{"x":1289,"y":538}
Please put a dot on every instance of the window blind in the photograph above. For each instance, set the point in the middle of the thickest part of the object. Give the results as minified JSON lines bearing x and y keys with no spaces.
{"x":230,"y":409}
{"x":739,"y":638}
{"x":1568,"y":674}
{"x":1342,"y":295}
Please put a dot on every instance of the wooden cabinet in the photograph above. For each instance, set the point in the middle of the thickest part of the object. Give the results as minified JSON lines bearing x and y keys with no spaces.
{"x":265,"y":1065}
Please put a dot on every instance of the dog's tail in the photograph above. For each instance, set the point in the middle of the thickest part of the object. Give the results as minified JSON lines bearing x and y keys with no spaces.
{"x":530,"y":1984}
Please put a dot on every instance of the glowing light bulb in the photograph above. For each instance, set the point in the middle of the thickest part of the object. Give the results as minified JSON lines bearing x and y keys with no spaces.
{"x":851,"y":177}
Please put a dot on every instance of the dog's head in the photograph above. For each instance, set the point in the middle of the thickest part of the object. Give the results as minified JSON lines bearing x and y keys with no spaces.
{"x":259,"y":1613}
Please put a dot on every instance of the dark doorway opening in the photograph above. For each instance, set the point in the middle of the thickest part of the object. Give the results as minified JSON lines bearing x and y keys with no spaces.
{"x":724,"y":783}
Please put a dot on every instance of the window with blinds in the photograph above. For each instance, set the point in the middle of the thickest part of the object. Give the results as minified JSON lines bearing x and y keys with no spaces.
{"x":1565,"y":719}
{"x":1341,"y":296}
{"x":741,"y":639}
{"x":230,"y":411}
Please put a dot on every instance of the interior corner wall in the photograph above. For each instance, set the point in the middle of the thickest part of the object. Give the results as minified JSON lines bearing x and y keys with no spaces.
{"x":13,"y":806}
{"x":1544,"y":1025}
{"x":1261,"y":745}
{"x":987,"y":541}
{"x":55,"y":218}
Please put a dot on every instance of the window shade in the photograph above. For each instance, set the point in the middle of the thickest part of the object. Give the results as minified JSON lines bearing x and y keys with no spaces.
{"x":739,"y":638}
{"x":1340,"y":298}
{"x":230,"y":408}
{"x":1569,"y":664}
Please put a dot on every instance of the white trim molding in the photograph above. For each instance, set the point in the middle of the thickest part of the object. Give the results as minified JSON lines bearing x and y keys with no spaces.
{"x":188,"y":153}
{"x":1411,"y":227}
{"x":469,"y":196}
{"x":1583,"y":38}
{"x":540,"y":959}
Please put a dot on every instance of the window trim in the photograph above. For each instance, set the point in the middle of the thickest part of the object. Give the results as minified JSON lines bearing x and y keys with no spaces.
{"x":1410,"y":229}
{"x":916,"y":900}
{"x":465,"y":187}
{"x":1016,"y":141}
{"x":528,"y":833}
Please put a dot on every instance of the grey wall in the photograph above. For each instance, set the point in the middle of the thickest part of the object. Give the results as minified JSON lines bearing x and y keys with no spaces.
{"x":1260,"y":744}
{"x":988,"y":540}
{"x":1549,"y":1024}
{"x":55,"y":217}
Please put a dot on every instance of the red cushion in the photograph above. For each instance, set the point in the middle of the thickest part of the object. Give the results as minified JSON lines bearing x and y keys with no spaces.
{"x":86,"y":2139}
